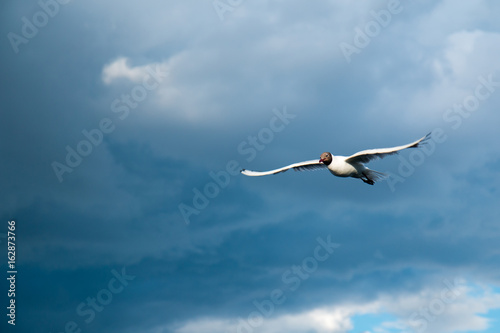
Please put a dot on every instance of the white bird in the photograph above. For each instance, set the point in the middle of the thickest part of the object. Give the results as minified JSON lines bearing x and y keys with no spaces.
{"x":342,"y":166}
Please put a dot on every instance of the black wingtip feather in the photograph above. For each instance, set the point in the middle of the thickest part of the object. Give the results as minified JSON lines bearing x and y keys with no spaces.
{"x":423,"y":142}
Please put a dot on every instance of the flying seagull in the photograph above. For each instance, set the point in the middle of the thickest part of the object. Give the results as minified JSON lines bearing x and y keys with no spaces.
{"x":342,"y":166}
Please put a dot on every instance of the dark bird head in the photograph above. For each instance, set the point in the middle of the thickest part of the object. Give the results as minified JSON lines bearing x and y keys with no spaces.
{"x":325,"y":158}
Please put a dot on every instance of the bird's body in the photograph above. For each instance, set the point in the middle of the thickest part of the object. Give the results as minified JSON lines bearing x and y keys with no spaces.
{"x":340,"y":168}
{"x":345,"y":166}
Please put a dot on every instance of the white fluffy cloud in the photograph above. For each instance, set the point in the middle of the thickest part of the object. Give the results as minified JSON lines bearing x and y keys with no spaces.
{"x":450,"y":306}
{"x":120,"y":69}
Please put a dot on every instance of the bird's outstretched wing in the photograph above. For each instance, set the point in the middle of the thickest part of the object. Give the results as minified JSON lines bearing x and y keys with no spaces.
{"x":307,"y":165}
{"x":366,"y":156}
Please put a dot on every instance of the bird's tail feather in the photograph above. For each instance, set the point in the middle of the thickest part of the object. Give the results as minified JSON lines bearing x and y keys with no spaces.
{"x":376,"y":175}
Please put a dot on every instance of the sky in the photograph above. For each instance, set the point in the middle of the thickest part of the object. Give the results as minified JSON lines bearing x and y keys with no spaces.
{"x":124,"y":125}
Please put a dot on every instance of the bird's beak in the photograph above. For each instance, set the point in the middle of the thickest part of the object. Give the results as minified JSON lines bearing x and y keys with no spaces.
{"x":320,"y":160}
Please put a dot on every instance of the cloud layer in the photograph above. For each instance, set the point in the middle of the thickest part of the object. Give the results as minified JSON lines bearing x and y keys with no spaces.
{"x":146,"y":108}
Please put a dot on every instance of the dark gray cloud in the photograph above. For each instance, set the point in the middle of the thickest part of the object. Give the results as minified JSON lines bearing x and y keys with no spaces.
{"x":222,"y":82}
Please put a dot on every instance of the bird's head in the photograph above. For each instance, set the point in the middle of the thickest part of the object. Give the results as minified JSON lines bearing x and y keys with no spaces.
{"x":325,"y":158}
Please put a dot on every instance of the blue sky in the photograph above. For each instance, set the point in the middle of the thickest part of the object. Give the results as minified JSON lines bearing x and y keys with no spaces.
{"x":124,"y":125}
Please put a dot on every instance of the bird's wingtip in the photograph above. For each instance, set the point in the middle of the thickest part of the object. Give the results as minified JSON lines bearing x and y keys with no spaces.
{"x":426,"y":137}
{"x":423,"y":140}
